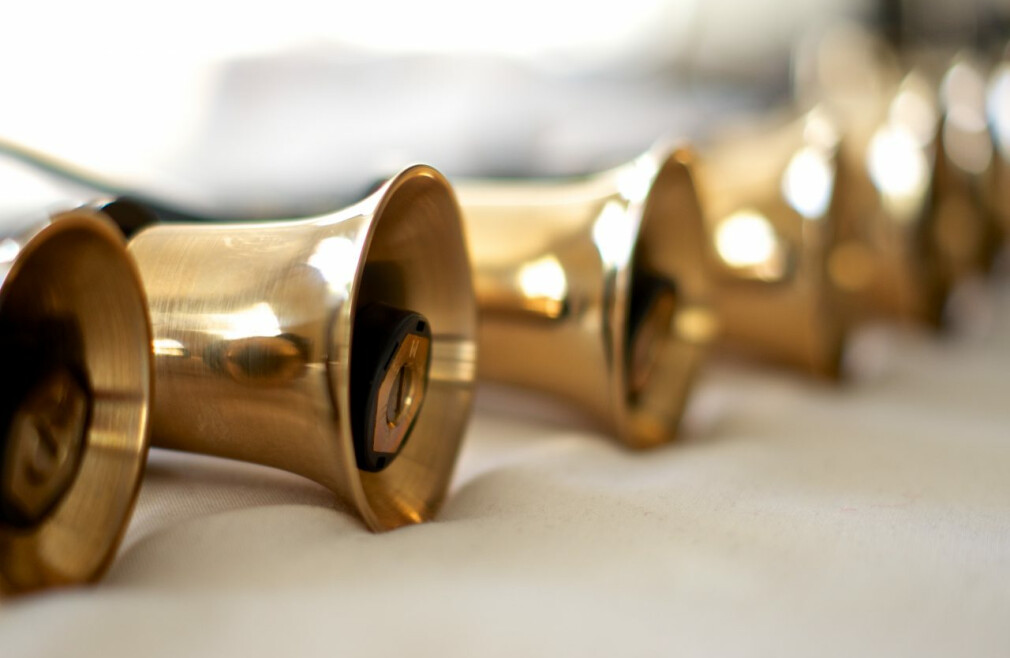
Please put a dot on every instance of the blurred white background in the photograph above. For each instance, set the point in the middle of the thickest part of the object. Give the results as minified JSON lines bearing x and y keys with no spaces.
{"x":257,"y":107}
{"x":189,"y":96}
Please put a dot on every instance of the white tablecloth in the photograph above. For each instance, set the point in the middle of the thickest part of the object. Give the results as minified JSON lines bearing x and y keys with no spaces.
{"x":794,"y":519}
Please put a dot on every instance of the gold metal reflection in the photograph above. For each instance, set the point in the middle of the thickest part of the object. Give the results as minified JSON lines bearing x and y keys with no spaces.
{"x":75,"y":392}
{"x":769,"y":194}
{"x":253,"y":342}
{"x":918,"y":218}
{"x":593,"y":290}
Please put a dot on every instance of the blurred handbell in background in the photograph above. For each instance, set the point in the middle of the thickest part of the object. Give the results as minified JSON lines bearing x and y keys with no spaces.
{"x":891,"y":260}
{"x":772,"y":195}
{"x":594,"y":290}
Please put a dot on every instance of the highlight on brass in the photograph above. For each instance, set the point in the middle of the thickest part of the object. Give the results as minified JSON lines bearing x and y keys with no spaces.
{"x":916,"y":223}
{"x":770,"y":194}
{"x":75,"y":392}
{"x":593,"y":290}
{"x":340,"y":347}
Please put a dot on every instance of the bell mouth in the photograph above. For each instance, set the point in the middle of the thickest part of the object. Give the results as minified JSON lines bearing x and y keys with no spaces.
{"x":75,"y":424}
{"x":415,"y":260}
{"x":668,"y":320}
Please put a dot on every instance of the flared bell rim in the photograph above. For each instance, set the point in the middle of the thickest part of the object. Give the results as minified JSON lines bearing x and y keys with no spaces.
{"x":372,"y":494}
{"x":78,"y":539}
{"x":636,"y":425}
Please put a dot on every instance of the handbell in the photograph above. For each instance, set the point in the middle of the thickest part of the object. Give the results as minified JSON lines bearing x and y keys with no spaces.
{"x":340,"y":347}
{"x":75,"y":395}
{"x":914,"y":232}
{"x":771,"y":195}
{"x":593,"y":290}
{"x":914,"y":227}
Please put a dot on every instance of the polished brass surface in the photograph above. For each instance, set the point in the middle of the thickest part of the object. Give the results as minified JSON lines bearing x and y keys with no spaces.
{"x":593,"y":290}
{"x":401,"y":394}
{"x":915,"y":223}
{"x":288,"y":292}
{"x":889,"y":262}
{"x":76,"y":391}
{"x":771,"y":195}
{"x":44,"y":444}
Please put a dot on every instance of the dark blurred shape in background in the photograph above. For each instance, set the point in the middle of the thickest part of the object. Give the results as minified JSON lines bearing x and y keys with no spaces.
{"x":285,"y":109}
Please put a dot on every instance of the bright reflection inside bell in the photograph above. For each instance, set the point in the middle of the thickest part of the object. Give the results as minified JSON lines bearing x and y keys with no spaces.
{"x":915,"y":114}
{"x":635,"y":180}
{"x":612,"y":234}
{"x":9,"y":250}
{"x":998,"y":106}
{"x":168,"y":347}
{"x":807,"y":182}
{"x":745,"y":239}
{"x":543,"y":278}
{"x":898,"y":167}
{"x":336,"y":260}
{"x":257,"y":320}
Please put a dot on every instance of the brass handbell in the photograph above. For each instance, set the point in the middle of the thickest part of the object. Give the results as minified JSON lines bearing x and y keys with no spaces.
{"x":771,"y":194}
{"x":914,"y":232}
{"x":913,"y":227}
{"x":340,"y":347}
{"x":593,"y":290}
{"x":75,"y":394}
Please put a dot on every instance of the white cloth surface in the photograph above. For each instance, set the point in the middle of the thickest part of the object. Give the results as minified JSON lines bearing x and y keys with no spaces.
{"x":794,"y":519}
